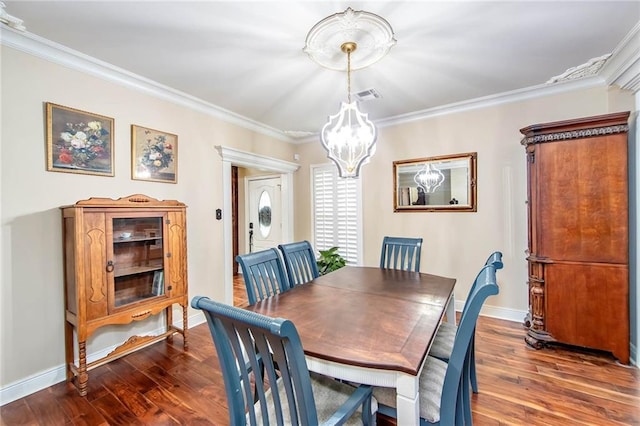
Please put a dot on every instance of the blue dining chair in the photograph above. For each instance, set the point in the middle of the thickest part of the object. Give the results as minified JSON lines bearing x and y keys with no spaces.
{"x":293,"y":395}
{"x":300,"y":262}
{"x":401,"y":253}
{"x":443,"y":396}
{"x":445,"y":337}
{"x":263,"y":274}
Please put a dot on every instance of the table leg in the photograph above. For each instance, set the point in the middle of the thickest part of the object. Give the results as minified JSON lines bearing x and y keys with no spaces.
{"x":451,"y":310}
{"x":408,"y":400}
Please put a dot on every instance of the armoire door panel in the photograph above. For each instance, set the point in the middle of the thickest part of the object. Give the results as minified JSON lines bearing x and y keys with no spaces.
{"x":587,"y":305}
{"x":581,"y":215}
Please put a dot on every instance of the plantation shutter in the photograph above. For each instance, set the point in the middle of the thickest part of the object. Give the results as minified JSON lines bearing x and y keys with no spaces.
{"x":336,"y":213}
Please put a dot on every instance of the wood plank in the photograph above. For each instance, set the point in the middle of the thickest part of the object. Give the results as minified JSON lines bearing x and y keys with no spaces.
{"x":162,"y":384}
{"x":114,"y":411}
{"x":17,"y":413}
{"x":78,"y":409}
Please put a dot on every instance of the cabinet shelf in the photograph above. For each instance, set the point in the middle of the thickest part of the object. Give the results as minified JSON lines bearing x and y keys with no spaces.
{"x":135,"y":299}
{"x":157,"y":240}
{"x":132,"y":270}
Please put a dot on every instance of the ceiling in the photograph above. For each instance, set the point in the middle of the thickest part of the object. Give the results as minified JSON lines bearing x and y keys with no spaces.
{"x":247,"y":57}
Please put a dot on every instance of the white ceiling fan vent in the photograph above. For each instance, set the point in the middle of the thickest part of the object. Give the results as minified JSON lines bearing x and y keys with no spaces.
{"x":367,"y":95}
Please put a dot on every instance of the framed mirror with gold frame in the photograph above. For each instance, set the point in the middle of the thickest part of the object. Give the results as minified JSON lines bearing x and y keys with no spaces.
{"x":447,"y":183}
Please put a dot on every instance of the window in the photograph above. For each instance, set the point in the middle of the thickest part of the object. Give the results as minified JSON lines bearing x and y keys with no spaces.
{"x":337,"y":217}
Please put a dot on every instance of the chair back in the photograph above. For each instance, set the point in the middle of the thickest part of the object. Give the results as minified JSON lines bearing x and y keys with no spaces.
{"x":250,"y":348}
{"x":495,"y":260}
{"x":263,"y":274}
{"x":484,"y":286}
{"x":401,"y":253}
{"x":300,"y":262}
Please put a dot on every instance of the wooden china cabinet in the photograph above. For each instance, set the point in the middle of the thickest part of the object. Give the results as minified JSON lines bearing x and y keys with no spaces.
{"x":125,"y":260}
{"x":578,"y":253}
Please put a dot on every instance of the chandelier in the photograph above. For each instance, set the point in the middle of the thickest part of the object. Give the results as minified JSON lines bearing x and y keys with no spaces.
{"x":349,"y":137}
{"x":429,"y":178}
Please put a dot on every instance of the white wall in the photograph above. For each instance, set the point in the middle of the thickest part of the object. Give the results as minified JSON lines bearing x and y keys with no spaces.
{"x":457,"y":244}
{"x":31,"y":290}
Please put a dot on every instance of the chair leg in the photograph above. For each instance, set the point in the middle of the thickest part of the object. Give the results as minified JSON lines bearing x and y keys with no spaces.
{"x":460,"y":419}
{"x":464,"y":385}
{"x":472,"y":365}
{"x":368,"y":418}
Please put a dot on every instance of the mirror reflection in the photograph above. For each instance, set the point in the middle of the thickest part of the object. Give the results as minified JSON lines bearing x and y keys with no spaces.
{"x":446,"y":183}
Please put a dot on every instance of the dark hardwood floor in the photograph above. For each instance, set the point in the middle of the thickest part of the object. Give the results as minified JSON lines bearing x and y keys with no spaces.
{"x":162,"y":385}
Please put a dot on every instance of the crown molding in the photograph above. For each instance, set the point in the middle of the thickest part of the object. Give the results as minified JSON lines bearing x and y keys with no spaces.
{"x":623,"y":68}
{"x":532,"y":92}
{"x":62,"y":55}
{"x":494,"y":100}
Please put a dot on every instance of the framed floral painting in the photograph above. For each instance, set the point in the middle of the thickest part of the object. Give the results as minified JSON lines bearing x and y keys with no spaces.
{"x":154,"y":155}
{"x":78,"y":141}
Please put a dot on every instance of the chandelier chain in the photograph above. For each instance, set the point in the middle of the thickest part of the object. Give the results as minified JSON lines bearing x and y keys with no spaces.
{"x":349,"y":75}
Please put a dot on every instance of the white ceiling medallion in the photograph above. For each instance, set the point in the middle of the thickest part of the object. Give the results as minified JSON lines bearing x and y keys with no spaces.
{"x":370,"y":32}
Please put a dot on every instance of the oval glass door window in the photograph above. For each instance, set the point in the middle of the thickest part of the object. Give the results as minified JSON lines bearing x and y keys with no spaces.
{"x":264,"y":214}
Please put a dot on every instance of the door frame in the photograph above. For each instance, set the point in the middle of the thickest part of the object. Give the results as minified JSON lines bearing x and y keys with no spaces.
{"x":236,"y":157}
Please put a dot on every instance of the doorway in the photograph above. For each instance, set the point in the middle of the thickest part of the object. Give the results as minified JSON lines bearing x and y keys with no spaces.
{"x":234,"y":157}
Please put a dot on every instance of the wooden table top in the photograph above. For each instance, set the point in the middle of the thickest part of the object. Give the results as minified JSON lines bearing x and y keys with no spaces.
{"x":365,"y":316}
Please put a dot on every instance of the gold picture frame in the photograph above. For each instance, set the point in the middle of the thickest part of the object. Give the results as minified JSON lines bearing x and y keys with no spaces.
{"x":447,"y":183}
{"x":154,"y":155}
{"x":78,"y":141}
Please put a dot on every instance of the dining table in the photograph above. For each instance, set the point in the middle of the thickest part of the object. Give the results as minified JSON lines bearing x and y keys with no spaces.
{"x":368,"y":325}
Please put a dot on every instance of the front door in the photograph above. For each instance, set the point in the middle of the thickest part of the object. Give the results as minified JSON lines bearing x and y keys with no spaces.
{"x":265,"y":216}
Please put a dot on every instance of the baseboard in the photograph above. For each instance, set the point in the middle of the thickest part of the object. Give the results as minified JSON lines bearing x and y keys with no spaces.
{"x":497,"y":312}
{"x":44,"y":379}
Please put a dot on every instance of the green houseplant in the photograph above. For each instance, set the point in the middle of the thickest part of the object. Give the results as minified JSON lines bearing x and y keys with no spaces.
{"x":330,"y":260}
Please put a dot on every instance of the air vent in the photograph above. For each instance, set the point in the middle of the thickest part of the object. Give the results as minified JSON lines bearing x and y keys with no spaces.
{"x":367,"y":95}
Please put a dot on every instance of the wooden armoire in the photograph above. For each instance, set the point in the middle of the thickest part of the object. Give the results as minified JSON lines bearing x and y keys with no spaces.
{"x":578,"y":254}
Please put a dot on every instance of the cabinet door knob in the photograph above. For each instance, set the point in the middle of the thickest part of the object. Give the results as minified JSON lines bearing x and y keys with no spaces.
{"x":110,"y":266}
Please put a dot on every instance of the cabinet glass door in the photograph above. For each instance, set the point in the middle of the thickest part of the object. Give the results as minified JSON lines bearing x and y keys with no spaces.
{"x":138,"y":259}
